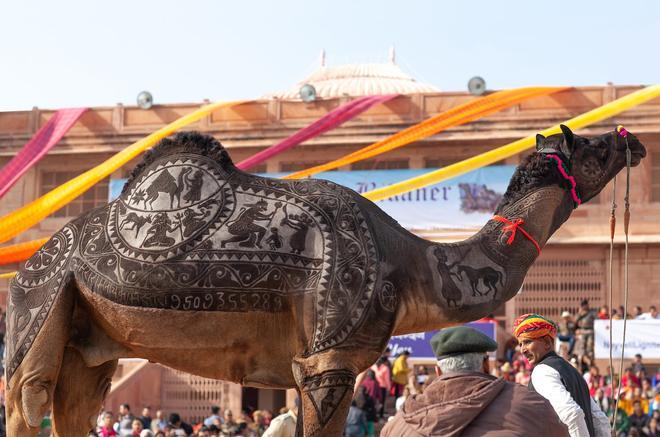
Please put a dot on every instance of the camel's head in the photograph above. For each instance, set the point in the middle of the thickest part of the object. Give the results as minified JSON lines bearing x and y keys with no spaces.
{"x":593,"y":162}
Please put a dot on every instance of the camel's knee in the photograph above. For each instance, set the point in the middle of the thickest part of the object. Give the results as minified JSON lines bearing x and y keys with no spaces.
{"x":29,"y":402}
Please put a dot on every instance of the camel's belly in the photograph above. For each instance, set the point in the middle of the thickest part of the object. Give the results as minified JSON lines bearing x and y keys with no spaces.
{"x":239,"y":347}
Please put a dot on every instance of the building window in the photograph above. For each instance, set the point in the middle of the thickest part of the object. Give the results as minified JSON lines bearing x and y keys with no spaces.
{"x":655,"y":177}
{"x":436,"y":162}
{"x":381,"y":165}
{"x":95,"y":196}
{"x":553,"y":286}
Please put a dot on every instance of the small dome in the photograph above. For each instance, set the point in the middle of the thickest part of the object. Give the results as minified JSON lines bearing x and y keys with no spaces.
{"x":358,"y":80}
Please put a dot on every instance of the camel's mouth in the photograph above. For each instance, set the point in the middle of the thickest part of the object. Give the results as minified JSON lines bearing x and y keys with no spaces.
{"x":637,"y":156}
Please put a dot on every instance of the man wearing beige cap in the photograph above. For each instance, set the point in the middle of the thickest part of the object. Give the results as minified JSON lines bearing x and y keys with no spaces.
{"x":465,"y":400}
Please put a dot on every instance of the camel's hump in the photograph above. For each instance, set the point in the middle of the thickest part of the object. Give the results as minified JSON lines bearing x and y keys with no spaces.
{"x":183,"y":143}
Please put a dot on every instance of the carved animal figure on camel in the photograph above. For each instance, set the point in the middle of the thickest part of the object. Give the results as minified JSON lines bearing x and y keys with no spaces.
{"x":310,"y":312}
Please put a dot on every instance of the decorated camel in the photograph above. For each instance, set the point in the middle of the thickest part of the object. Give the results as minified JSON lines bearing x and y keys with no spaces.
{"x":292,"y":283}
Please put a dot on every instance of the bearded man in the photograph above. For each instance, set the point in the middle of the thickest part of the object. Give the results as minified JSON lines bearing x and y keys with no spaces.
{"x":556,"y":380}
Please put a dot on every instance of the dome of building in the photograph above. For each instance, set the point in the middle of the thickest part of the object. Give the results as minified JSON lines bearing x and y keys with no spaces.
{"x":357,"y":80}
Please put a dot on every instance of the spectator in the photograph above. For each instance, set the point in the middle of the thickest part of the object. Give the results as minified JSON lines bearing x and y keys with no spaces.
{"x":602,"y":400}
{"x":639,"y":420}
{"x":159,"y":423}
{"x":523,"y":377}
{"x":622,"y":425}
{"x":637,"y":312}
{"x":566,"y":331}
{"x":383,"y":377}
{"x":584,"y":329}
{"x":106,"y":429}
{"x":146,"y":433}
{"x":215,"y":416}
{"x":653,"y":431}
{"x":465,"y":400}
{"x":258,"y":425}
{"x":284,"y":425}
{"x":125,"y":421}
{"x":400,"y":373}
{"x":554,"y":379}
{"x":136,"y":428}
{"x":622,"y":311}
{"x":367,"y":404}
{"x":637,"y":364}
{"x":356,"y":422}
{"x":594,"y":380}
{"x":176,"y":426}
{"x":651,"y":315}
{"x":229,"y":426}
{"x":146,"y":417}
{"x":604,"y":313}
{"x":398,"y":402}
{"x":629,"y":376}
{"x":372,"y":387}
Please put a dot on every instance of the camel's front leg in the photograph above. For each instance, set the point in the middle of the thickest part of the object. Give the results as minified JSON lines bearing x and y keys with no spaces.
{"x":326,"y":391}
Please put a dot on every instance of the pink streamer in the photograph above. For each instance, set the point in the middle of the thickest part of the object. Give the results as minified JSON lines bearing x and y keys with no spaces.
{"x":329,"y":121}
{"x":44,"y":140}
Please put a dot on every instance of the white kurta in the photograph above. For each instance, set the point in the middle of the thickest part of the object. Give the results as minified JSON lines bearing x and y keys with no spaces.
{"x":547,"y":383}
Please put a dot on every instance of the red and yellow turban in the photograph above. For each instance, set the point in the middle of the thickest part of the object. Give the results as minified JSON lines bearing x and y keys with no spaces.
{"x":533,"y":326}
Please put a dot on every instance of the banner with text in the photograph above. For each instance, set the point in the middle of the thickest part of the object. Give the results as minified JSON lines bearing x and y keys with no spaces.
{"x":418,"y":344}
{"x":464,"y":202}
{"x":641,"y":338}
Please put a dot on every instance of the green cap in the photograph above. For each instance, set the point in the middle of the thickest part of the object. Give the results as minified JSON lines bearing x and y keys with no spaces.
{"x":460,"y":340}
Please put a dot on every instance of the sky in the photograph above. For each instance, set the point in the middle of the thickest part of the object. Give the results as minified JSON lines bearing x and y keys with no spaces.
{"x":57,"y":54}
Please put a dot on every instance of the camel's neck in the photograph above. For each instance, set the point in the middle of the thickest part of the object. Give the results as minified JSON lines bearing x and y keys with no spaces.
{"x":470,"y":279}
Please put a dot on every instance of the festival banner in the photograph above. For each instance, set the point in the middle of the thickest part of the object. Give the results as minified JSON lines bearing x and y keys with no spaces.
{"x":641,"y":338}
{"x":466,"y":202}
{"x":418,"y":344}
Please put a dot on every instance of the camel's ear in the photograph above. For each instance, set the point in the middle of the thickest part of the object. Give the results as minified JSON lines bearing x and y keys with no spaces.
{"x":539,"y":141}
{"x":568,"y":136}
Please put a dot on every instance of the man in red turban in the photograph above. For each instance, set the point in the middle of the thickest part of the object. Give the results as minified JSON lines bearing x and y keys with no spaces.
{"x":556,"y":380}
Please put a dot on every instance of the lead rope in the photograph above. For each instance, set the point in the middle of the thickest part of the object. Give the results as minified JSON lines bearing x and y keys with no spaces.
{"x":611,"y":300}
{"x":626,"y":224}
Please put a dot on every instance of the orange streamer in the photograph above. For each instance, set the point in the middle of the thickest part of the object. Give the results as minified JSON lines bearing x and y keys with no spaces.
{"x":456,"y":116}
{"x":21,"y":251}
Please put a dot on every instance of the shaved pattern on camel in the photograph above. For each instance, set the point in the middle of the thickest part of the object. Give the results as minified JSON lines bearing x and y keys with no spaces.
{"x":236,"y":244}
{"x":327,"y":390}
{"x":33,"y":291}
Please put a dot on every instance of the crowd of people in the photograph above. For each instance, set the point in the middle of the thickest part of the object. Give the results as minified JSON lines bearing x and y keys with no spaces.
{"x":258,"y":423}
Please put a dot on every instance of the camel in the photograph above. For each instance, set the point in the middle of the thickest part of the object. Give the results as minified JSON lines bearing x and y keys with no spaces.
{"x":309,"y":315}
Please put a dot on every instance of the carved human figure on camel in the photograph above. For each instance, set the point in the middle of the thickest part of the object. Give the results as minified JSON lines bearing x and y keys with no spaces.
{"x":311,"y":311}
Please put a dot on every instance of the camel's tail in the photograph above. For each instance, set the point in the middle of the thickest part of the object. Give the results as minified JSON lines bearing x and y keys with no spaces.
{"x":39,"y":315}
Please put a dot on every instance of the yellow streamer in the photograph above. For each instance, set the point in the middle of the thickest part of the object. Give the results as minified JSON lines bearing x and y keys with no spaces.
{"x":7,"y":275}
{"x":455,"y":116}
{"x":15,"y":222}
{"x":601,"y":113}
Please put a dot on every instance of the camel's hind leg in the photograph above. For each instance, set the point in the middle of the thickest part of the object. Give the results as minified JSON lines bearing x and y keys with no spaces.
{"x":79,"y":394}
